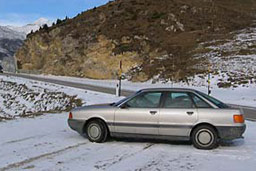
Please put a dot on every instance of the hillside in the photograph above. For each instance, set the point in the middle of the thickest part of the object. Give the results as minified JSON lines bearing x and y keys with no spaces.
{"x":164,"y":40}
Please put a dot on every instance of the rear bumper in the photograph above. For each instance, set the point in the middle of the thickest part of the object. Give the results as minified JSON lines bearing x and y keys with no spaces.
{"x":76,"y":125}
{"x":231,"y":132}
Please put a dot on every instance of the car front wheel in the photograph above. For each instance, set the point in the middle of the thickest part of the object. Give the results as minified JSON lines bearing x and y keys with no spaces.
{"x":96,"y":131}
{"x":204,"y":137}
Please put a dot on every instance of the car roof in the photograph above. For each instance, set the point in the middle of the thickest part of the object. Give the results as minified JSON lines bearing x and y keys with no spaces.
{"x":168,"y":89}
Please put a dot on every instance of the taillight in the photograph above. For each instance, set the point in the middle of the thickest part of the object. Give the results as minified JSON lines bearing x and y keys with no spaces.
{"x":70,"y":116}
{"x":238,"y":118}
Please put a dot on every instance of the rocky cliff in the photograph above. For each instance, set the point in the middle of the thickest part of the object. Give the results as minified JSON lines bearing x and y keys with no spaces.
{"x":154,"y":39}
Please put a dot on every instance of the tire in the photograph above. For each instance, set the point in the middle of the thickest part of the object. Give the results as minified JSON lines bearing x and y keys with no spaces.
{"x":96,"y":131}
{"x":204,"y":137}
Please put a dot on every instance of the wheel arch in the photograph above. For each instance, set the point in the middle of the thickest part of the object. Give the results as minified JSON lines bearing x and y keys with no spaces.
{"x":95,"y":118}
{"x":203,"y":123}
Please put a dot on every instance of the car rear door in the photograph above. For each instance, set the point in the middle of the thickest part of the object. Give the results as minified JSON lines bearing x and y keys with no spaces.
{"x":177,"y":114}
{"x":139,"y":115}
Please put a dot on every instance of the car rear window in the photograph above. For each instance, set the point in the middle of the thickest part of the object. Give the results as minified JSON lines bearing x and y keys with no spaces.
{"x":214,"y":101}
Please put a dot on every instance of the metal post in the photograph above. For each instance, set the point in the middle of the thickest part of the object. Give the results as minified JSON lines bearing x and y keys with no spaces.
{"x":209,"y":80}
{"x":119,"y":85}
{"x":117,"y":90}
{"x":209,"y":91}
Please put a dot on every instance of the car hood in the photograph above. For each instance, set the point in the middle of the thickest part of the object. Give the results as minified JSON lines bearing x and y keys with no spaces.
{"x":95,"y":106}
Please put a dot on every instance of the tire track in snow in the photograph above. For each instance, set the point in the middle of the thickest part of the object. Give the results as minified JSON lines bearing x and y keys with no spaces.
{"x":23,"y":139}
{"x":162,"y":162}
{"x":22,"y":163}
{"x":103,"y":165}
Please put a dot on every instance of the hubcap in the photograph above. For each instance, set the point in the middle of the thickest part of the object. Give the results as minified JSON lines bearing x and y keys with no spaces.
{"x":204,"y":137}
{"x":94,"y":131}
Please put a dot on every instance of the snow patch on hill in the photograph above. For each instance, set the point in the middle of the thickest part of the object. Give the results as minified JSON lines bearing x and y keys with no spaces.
{"x":233,"y":60}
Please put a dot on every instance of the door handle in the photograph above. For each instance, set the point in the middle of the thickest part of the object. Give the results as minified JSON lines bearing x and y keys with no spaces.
{"x":153,"y":112}
{"x":190,"y":113}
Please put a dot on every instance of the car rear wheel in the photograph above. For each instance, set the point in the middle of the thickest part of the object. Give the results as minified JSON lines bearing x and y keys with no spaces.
{"x":204,"y":137}
{"x":96,"y":131}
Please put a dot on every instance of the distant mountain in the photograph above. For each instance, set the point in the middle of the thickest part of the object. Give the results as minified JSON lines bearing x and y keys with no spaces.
{"x":31,"y":27}
{"x":11,"y":39}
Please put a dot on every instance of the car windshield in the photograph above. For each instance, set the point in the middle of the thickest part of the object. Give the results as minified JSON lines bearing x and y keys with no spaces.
{"x":213,"y":100}
{"x":121,"y":101}
{"x":124,"y":99}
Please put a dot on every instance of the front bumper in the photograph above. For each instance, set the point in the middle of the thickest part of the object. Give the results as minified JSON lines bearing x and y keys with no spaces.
{"x":231,"y":132}
{"x":76,"y":125}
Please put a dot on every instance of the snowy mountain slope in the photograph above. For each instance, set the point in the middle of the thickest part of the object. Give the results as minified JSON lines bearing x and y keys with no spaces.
{"x":7,"y":33}
{"x":10,"y":41}
{"x":232,"y":61}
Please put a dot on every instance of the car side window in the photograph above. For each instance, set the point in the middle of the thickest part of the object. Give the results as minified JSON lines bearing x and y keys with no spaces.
{"x":199,"y":102}
{"x":145,"y":100}
{"x":178,"y":100}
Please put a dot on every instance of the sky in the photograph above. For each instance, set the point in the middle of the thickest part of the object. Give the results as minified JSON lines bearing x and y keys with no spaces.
{"x":21,"y":12}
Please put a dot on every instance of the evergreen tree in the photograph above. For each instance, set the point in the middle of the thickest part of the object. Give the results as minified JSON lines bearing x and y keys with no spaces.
{"x":45,"y":27}
{"x":58,"y":21}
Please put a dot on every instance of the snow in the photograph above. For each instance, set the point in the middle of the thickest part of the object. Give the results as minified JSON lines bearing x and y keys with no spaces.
{"x":7,"y":33}
{"x":241,"y":95}
{"x":47,"y":143}
{"x":22,"y":97}
{"x":234,"y":57}
{"x":41,"y":21}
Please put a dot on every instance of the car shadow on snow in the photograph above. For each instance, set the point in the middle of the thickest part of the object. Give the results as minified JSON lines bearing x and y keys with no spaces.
{"x":231,"y":143}
{"x":145,"y":140}
{"x":223,"y":143}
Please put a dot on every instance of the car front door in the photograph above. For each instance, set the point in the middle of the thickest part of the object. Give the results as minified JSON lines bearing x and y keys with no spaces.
{"x":177,"y":115}
{"x":139,"y":115}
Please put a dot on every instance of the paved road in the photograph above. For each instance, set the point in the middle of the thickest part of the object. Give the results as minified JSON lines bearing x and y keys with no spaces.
{"x":249,"y":112}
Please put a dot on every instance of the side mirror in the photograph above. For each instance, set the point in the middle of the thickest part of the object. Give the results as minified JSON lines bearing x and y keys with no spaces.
{"x":124,"y":106}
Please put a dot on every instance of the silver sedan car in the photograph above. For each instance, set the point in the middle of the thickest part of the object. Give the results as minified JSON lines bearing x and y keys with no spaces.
{"x":166,"y":113}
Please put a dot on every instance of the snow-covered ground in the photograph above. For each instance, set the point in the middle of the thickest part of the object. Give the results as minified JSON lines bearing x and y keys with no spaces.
{"x":46,"y":143}
{"x":241,"y":95}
